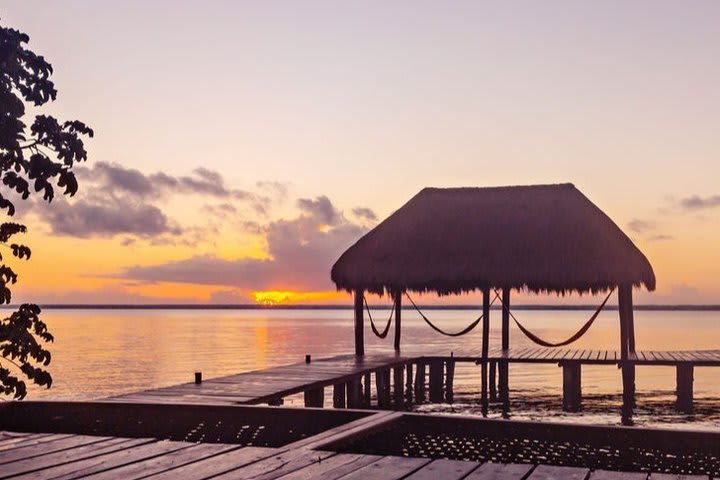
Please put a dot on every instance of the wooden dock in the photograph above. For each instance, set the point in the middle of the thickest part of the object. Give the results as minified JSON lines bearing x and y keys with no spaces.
{"x":46,"y":456}
{"x":394,"y":380}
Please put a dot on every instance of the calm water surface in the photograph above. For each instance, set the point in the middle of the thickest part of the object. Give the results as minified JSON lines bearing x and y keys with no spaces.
{"x":99,"y":353}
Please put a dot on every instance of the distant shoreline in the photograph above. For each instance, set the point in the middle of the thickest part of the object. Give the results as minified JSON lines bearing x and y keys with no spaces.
{"x":684,"y":308}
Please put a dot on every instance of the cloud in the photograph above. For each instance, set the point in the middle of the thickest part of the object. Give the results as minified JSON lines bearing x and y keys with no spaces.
{"x":365,"y":213}
{"x":640,"y":226}
{"x":656,"y":238}
{"x":106,"y":217}
{"x":301,"y":252}
{"x":696,"y":202}
{"x":321,"y":209}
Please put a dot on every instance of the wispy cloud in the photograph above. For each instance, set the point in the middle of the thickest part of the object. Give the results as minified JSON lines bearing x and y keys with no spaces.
{"x":696,"y":202}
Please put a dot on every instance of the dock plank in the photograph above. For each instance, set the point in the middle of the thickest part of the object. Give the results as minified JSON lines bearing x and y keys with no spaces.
{"x":276,"y":466}
{"x":444,"y":469}
{"x":332,"y":468}
{"x":500,"y":471}
{"x":45,"y":448}
{"x":612,"y":475}
{"x":388,"y":468}
{"x":209,"y":467}
{"x":154,"y":458}
{"x":553,"y":472}
{"x":33,"y":464}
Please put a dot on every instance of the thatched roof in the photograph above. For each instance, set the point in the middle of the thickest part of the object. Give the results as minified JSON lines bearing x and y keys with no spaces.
{"x":450,"y":240}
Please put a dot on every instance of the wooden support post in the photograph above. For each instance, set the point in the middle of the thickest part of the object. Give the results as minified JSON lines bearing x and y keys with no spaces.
{"x":409,"y":383}
{"x":359,"y":323}
{"x":493,"y":381}
{"x":354,"y":393}
{"x":339,"y":395}
{"x":627,"y":357}
{"x":367,"y":387}
{"x":420,"y":382}
{"x":399,"y":386}
{"x":398,"y":319}
{"x":572,"y":386}
{"x":436,"y":381}
{"x":449,"y":380}
{"x":382,"y":385}
{"x":485,"y":347}
{"x":685,"y":387}
{"x":315,"y":397}
{"x":503,"y":365}
{"x":506,"y":318}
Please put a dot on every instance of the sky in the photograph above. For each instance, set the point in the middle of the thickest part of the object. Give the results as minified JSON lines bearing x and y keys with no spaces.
{"x":242,"y":146}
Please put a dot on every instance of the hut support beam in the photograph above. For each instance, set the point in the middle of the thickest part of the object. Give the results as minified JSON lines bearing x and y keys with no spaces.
{"x":359,"y":323}
{"x":503,"y":366}
{"x":485,"y":347}
{"x":627,"y":356}
{"x":398,"y":318}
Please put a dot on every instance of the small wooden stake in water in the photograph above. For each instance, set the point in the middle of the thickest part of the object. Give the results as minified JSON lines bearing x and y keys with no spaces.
{"x":198,"y":378}
{"x":307,"y":358}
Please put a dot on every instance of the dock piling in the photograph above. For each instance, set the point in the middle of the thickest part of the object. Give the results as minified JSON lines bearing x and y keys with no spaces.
{"x":436,"y":380}
{"x":382,"y":385}
{"x":409,"y":384}
{"x":572,"y":386}
{"x":315,"y":397}
{"x":198,"y":378}
{"x":449,"y":379}
{"x":684,"y":377}
{"x":493,"y":381}
{"x":420,"y":382}
{"x":353,"y":396}
{"x":366,"y":389}
{"x":339,"y":395}
{"x":399,"y":386}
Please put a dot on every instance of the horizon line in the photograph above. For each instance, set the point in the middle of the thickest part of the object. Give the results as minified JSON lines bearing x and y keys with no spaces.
{"x":255,"y":306}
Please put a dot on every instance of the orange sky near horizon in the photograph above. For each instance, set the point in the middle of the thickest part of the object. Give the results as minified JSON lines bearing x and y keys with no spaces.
{"x":288,"y":130}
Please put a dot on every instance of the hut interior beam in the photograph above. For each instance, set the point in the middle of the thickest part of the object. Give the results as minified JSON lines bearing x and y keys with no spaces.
{"x":359,"y":323}
{"x":398,"y":311}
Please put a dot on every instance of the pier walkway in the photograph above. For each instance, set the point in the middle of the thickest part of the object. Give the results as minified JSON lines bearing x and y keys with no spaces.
{"x":399,"y":378}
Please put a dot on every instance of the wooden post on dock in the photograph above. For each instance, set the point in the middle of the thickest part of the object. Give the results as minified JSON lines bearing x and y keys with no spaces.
{"x":485,"y":346}
{"x":359,"y":323}
{"x":354,"y":394}
{"x":409,"y":384}
{"x":572,"y":386}
{"x":382,"y":386}
{"x":684,"y":389}
{"x":367,"y":387}
{"x":315,"y":397}
{"x":420,"y":382}
{"x":339,"y":395}
{"x":493,"y":381}
{"x":449,"y":379}
{"x":503,"y":365}
{"x":398,"y":318}
{"x":399,"y":386}
{"x":436,"y":380}
{"x":625,"y":308}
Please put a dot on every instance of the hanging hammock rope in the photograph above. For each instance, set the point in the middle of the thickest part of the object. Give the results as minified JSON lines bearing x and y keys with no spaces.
{"x":466,"y":330}
{"x":384,"y":333}
{"x":570,"y":340}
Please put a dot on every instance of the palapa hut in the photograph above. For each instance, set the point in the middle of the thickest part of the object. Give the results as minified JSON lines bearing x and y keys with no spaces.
{"x":542,"y":238}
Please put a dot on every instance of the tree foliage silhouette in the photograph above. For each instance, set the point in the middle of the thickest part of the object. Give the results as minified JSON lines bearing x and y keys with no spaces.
{"x":33,"y":160}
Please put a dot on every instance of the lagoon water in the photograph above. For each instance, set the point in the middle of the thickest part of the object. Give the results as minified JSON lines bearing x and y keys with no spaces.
{"x":100,"y":353}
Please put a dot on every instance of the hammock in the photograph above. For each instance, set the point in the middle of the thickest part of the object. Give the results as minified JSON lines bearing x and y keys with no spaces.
{"x":570,"y":340}
{"x":384,"y":333}
{"x":467,"y":329}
